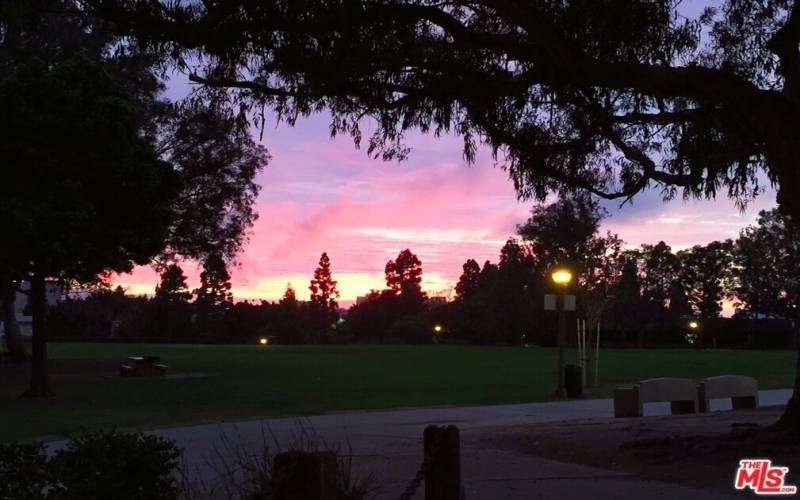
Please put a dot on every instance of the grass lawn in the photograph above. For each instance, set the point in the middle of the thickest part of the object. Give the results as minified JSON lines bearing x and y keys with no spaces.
{"x":248,"y":381}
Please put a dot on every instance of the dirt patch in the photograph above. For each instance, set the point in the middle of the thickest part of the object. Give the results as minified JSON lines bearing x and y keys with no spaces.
{"x":701,"y":450}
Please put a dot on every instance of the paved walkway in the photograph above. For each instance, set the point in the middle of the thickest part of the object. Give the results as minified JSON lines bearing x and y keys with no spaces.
{"x":389,"y":445}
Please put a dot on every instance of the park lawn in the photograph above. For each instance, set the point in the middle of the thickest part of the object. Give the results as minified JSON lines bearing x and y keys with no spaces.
{"x":250,"y":381}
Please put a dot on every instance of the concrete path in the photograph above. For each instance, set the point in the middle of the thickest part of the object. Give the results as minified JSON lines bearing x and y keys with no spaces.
{"x":388,"y":444}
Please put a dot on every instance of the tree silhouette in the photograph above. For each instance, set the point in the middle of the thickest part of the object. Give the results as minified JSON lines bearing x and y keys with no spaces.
{"x":679,"y":305}
{"x":173,"y":287}
{"x":404,"y":277}
{"x":95,"y":178}
{"x":289,"y":296}
{"x":660,"y":267}
{"x":610,"y":97}
{"x":323,"y":286}
{"x":216,"y":160}
{"x":628,"y":308}
{"x":79,"y":197}
{"x":561,"y":233}
{"x":768,"y":279}
{"x":215,"y":284}
{"x":767,"y":257}
{"x":705,"y":271}
{"x":469,"y":282}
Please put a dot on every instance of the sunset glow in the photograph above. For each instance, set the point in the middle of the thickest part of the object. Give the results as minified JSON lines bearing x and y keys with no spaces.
{"x":321,"y":195}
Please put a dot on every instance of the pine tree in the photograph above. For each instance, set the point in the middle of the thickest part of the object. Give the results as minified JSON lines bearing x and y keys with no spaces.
{"x":215,"y":284}
{"x":404,"y":275}
{"x":289,"y":296}
{"x":323,"y":286}
{"x":173,"y":287}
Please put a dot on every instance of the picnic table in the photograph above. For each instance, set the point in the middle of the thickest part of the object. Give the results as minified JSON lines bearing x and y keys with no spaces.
{"x":143,"y":366}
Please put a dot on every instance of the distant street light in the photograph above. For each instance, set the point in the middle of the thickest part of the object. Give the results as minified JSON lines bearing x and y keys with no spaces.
{"x":694,"y":325}
{"x":437,"y":328}
{"x":263,"y":341}
{"x":561,"y":277}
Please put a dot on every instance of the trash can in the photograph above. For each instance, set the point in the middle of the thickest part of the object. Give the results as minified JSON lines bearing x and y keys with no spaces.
{"x":572,"y":381}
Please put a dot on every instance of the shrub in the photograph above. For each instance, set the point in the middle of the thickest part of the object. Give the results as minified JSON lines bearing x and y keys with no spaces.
{"x":129,"y":466}
{"x":24,"y":472}
{"x":94,"y":466}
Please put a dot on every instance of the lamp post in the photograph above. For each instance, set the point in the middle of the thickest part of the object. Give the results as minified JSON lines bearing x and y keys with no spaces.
{"x":694,"y":325}
{"x":562,"y":278}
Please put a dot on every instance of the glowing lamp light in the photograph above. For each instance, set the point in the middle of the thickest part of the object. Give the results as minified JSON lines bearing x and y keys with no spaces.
{"x":693,"y":325}
{"x":263,"y":341}
{"x":437,"y":328}
{"x":561,"y":277}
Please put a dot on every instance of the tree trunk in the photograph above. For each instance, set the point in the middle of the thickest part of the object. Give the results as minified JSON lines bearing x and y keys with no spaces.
{"x":789,"y":204}
{"x":40,"y":378}
{"x":14,"y":342}
{"x":791,"y":417}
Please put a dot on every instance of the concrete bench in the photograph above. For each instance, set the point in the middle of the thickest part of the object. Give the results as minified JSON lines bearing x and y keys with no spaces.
{"x":743,"y":391}
{"x":680,"y":393}
{"x":126,"y":371}
{"x":160,"y":369}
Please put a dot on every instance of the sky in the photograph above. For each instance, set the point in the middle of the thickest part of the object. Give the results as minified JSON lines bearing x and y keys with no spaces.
{"x":321,"y":194}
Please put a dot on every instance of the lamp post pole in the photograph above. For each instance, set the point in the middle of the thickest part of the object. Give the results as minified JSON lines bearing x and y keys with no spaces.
{"x":561,"y":392}
{"x":561,"y":277}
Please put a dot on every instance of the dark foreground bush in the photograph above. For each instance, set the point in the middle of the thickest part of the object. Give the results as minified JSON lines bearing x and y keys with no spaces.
{"x":95,"y":466}
{"x":135,"y":466}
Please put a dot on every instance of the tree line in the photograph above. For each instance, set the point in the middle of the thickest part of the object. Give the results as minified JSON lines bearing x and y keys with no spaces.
{"x":642,"y":296}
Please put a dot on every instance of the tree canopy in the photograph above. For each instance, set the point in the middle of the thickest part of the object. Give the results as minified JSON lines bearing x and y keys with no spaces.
{"x":609,"y":96}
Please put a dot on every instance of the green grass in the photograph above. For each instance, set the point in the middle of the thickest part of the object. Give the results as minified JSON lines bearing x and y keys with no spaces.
{"x":248,"y":381}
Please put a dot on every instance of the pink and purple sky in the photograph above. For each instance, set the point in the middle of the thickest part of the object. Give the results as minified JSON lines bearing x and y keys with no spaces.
{"x":321,"y":195}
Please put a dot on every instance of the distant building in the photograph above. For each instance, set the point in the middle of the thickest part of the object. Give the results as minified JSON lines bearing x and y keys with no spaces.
{"x":22,"y":307}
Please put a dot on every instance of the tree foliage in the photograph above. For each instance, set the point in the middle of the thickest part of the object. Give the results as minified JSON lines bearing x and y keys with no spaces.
{"x":608,"y":96}
{"x":323,"y":286}
{"x":215,"y":284}
{"x":705,"y":271}
{"x":173,"y":287}
{"x":469,"y":282}
{"x":404,"y":277}
{"x":767,"y":268}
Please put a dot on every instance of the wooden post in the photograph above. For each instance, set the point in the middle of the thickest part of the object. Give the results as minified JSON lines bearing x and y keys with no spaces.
{"x":597,"y":356}
{"x":443,"y":454}
{"x":299,"y":475}
{"x":585,"y":356}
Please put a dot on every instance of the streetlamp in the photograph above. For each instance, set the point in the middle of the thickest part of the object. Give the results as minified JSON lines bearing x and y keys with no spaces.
{"x":694,"y":325}
{"x":562,"y":278}
{"x":437,"y":329}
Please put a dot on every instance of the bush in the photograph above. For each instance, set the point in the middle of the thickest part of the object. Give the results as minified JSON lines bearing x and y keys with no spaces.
{"x":95,"y":466}
{"x":135,"y":466}
{"x":24,"y":472}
